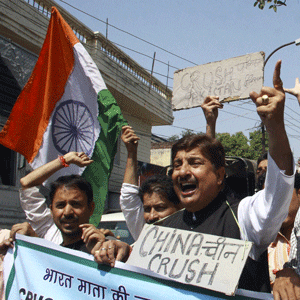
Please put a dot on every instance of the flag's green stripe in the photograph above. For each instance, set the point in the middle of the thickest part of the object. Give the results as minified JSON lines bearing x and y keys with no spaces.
{"x":111,"y":121}
{"x":12,"y":274}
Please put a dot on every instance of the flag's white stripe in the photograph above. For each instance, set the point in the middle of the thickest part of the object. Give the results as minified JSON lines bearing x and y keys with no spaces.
{"x":82,"y":88}
{"x":91,"y":70}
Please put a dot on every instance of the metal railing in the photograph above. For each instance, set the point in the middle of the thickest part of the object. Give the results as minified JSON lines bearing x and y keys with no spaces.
{"x":100,"y":43}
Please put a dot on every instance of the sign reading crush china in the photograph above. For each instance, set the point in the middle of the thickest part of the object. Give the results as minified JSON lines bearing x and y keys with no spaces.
{"x":194,"y":258}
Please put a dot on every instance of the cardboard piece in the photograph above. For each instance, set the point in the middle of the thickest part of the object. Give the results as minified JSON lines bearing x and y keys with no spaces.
{"x":230,"y":79}
{"x":189,"y":257}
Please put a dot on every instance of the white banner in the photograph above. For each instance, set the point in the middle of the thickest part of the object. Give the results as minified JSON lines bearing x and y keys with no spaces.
{"x":40,"y":270}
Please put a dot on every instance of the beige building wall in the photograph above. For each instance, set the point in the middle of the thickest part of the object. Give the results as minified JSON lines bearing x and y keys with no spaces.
{"x":143,"y":99}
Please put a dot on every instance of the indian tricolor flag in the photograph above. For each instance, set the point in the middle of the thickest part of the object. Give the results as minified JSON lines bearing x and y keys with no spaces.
{"x":65,"y":106}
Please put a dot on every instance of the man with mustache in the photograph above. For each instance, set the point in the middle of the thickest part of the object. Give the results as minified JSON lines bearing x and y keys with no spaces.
{"x":156,"y":198}
{"x":71,"y":206}
{"x":198,"y":177}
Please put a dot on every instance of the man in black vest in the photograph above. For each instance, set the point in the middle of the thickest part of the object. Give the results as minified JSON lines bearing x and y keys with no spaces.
{"x":198,"y":177}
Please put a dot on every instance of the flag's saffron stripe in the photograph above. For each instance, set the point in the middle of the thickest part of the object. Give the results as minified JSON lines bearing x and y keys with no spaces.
{"x":43,"y":90}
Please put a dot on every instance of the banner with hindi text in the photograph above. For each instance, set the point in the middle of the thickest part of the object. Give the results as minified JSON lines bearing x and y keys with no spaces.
{"x":38,"y":269}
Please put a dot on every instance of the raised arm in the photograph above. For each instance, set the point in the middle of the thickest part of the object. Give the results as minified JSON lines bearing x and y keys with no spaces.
{"x":270,"y":107}
{"x":39,"y":175}
{"x":210,"y":108}
{"x":295,"y":91}
{"x":130,"y":202}
{"x":261,"y":215}
{"x":130,"y":140}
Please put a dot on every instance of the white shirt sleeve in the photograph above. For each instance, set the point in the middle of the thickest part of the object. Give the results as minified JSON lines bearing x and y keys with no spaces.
{"x":132,"y":208}
{"x":38,"y":215}
{"x":260,"y":216}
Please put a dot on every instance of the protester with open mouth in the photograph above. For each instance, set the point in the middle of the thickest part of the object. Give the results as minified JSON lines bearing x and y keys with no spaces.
{"x":198,"y":178}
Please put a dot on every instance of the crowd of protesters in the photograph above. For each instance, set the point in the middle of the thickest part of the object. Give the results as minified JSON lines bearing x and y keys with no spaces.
{"x":193,"y":197}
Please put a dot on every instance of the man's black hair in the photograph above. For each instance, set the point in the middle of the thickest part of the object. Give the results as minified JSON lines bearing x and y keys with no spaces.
{"x":264,"y":156}
{"x":160,"y":184}
{"x":210,"y":148}
{"x":72,"y":181}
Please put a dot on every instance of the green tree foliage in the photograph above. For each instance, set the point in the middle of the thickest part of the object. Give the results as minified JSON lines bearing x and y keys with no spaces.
{"x":273,"y":4}
{"x":175,"y":137}
{"x":187,"y":132}
{"x":239,"y":145}
{"x":235,"y":144}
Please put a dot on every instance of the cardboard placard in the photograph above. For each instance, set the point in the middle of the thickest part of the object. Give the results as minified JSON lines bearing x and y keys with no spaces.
{"x":189,"y":257}
{"x":230,"y":79}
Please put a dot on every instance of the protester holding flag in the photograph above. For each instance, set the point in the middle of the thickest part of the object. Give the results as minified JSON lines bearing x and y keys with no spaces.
{"x":71,"y":206}
{"x":33,"y":202}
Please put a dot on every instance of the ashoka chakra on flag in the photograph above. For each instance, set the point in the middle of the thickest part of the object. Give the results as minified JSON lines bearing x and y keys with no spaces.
{"x":73,"y":128}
